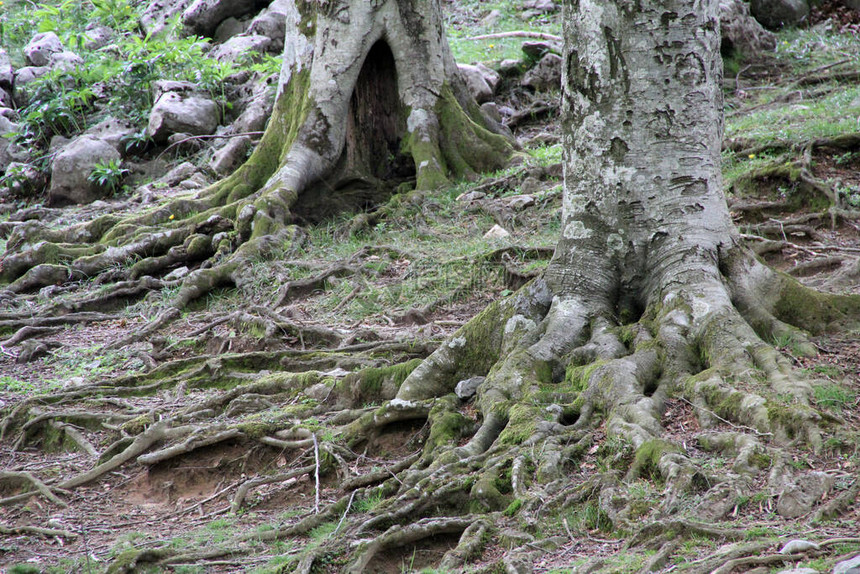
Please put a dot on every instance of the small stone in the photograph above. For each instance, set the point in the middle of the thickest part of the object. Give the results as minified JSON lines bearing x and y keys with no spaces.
{"x":177,"y":274}
{"x":536,"y":50}
{"x":497,"y":232}
{"x":850,"y":566}
{"x":796,"y":546}
{"x":471,"y":196}
{"x":519,"y":202}
{"x":467,"y":388}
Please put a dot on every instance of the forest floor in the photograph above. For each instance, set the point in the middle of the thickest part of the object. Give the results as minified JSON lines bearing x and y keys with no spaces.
{"x":395,"y":292}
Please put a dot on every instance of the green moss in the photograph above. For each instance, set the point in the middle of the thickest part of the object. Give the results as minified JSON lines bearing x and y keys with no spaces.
{"x":646,"y":461}
{"x":138,"y":424}
{"x":485,"y":495}
{"x":576,"y":377}
{"x":447,"y":429}
{"x":522,"y":424}
{"x":815,"y":311}
{"x":513,"y":507}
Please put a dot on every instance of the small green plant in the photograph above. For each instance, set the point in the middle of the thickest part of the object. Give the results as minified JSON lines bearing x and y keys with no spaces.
{"x":833,"y":397}
{"x":108,"y":176}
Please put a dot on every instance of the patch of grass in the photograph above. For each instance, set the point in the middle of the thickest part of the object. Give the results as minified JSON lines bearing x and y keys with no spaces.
{"x":834,"y":397}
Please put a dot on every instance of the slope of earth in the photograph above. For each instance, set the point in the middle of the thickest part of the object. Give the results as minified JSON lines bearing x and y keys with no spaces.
{"x":267,"y":461}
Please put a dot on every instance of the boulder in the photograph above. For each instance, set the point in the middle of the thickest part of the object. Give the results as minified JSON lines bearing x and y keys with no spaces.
{"x":176,"y":113}
{"x":850,"y":566}
{"x":113,"y":131}
{"x":271,"y":23}
{"x":157,"y":15}
{"x":467,"y":388}
{"x":65,"y":61}
{"x":546,"y":75}
{"x":802,"y":492}
{"x":161,"y":87}
{"x":240,"y":47}
{"x":72,"y":167}
{"x":254,"y":117}
{"x":6,"y":146}
{"x":203,"y":16}
{"x":229,"y":28}
{"x":39,"y":50}
{"x":741,"y":32}
{"x":23,"y":77}
{"x":776,"y":14}
{"x":7,"y":73}
{"x":475,"y":82}
{"x":226,"y":159}
{"x":97,"y":37}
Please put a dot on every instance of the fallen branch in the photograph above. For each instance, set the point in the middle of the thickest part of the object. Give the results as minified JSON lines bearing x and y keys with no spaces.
{"x":519,"y":34}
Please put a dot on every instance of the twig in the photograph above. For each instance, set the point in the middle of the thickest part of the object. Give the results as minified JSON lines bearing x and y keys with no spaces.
{"x":345,"y":512}
{"x":207,"y":137}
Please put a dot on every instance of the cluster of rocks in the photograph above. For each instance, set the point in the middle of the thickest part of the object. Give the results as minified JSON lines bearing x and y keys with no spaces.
{"x":181,"y":112}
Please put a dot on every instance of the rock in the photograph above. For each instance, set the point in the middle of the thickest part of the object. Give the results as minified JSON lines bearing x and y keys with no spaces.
{"x":798,"y":546}
{"x":229,"y":157}
{"x":271,"y":23}
{"x":478,"y":86}
{"x":254,"y":117}
{"x":850,"y":566}
{"x":799,"y":571}
{"x":717,"y":502}
{"x":65,"y":61}
{"x":491,"y":76}
{"x":511,"y":67}
{"x":7,"y":73}
{"x":176,"y":113}
{"x":491,"y":110}
{"x":776,"y":14}
{"x":72,"y":167}
{"x":28,"y":74}
{"x":497,"y":232}
{"x":179,"y":173}
{"x":202,"y":17}
{"x":39,"y":50}
{"x":184,"y":143}
{"x":802,"y":492}
{"x":97,"y":37}
{"x":229,"y":28}
{"x":471,"y":196}
{"x":546,"y":75}
{"x":161,"y":87}
{"x":740,"y":31}
{"x":6,"y":101}
{"x":519,"y":202}
{"x":534,"y":51}
{"x":112,"y":131}
{"x":7,"y":155}
{"x":240,"y":47}
{"x":177,"y":273}
{"x":467,"y":388}
{"x":157,"y":15}
{"x":543,"y":6}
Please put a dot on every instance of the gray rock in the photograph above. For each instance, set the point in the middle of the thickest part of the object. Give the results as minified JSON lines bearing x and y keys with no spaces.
{"x":72,"y":167}
{"x":65,"y":61}
{"x":241,"y":47}
{"x":491,"y":76}
{"x":229,"y":157}
{"x":39,"y":50}
{"x":161,"y":87}
{"x":497,"y":232}
{"x":478,"y":86}
{"x":184,"y":143}
{"x":519,"y":202}
{"x":741,"y":32}
{"x":536,"y":50}
{"x":203,"y":16}
{"x":471,"y":196}
{"x":467,"y":388}
{"x":802,"y":492}
{"x":795,"y":546}
{"x":492,"y":18}
{"x":158,"y":14}
{"x":271,"y":23}
{"x":179,"y":173}
{"x":177,"y":273}
{"x":6,"y":100}
{"x":776,"y":14}
{"x":850,"y":566}
{"x":546,"y":75}
{"x":27,"y":74}
{"x":254,"y":117}
{"x":112,"y":131}
{"x":7,"y":73}
{"x":97,"y":37}
{"x":543,"y":6}
{"x":229,"y":28}
{"x":511,"y":67}
{"x":491,"y":110}
{"x":7,"y":155}
{"x":176,"y":113}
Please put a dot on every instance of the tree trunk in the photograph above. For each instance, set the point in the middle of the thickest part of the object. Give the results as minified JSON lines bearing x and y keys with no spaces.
{"x":369,"y":102}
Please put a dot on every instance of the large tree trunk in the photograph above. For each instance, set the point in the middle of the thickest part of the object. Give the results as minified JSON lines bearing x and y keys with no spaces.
{"x":369,"y":102}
